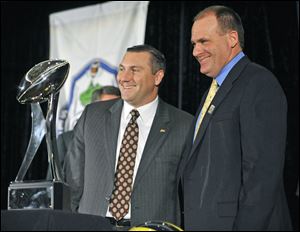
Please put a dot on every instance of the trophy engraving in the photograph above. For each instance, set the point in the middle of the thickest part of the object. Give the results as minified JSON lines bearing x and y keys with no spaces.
{"x":41,"y":83}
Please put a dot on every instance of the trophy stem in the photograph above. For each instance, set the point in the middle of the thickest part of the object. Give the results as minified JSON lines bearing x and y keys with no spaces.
{"x":38,"y":130}
{"x":54,"y":163}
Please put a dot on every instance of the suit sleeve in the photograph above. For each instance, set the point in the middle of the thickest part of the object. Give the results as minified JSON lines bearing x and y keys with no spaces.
{"x":263,"y":135}
{"x":74,"y":163}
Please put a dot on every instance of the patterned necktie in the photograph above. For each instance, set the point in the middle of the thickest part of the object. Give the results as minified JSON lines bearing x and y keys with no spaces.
{"x":212,"y":92}
{"x":119,"y":204}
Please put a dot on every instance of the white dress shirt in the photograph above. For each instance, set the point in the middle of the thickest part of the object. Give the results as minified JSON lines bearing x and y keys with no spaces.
{"x":144,"y":121}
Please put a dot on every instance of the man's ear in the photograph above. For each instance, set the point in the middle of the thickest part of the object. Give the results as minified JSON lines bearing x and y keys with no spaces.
{"x":159,"y":75}
{"x":233,"y":38}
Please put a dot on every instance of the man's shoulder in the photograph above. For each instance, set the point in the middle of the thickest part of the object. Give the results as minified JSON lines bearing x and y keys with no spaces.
{"x":259,"y":79}
{"x":102,"y":105}
{"x":66,"y":135}
{"x":256,"y":70}
{"x":261,"y":76}
{"x":176,"y":112}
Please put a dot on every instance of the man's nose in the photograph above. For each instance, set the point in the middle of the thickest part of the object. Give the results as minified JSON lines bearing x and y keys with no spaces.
{"x":197,"y":50}
{"x":125,"y":75}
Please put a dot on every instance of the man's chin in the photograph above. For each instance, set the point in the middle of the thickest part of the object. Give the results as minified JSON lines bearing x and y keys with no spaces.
{"x":204,"y":71}
{"x":127,"y":98}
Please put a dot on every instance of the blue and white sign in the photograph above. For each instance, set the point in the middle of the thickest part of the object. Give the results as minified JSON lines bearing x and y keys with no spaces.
{"x":93,"y":40}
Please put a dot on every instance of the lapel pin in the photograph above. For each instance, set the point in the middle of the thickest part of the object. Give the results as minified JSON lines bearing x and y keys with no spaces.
{"x":162,"y":131}
{"x":211,"y":109}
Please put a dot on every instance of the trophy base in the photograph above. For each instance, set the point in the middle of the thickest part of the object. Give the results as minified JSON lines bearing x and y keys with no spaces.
{"x":38,"y":195}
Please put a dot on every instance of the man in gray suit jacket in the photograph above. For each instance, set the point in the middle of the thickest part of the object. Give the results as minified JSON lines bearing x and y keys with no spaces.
{"x":93,"y":155}
{"x":232,"y":174}
{"x":64,"y":140}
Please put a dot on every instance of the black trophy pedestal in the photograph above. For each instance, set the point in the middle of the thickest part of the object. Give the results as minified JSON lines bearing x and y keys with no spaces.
{"x":38,"y":195}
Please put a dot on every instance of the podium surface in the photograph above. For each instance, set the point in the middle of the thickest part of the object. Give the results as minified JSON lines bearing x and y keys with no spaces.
{"x":51,"y":220}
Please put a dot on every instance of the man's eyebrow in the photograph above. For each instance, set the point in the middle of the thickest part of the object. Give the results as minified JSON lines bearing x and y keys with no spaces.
{"x":201,"y":40}
{"x":131,"y":66}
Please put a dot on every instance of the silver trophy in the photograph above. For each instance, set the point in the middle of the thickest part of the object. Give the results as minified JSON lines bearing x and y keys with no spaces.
{"x":41,"y":83}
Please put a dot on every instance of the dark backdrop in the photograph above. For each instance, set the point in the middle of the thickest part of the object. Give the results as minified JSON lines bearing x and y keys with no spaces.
{"x":271,"y":39}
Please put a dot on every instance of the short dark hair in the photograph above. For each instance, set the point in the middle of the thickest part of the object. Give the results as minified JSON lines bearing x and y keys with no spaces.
{"x":112,"y":90}
{"x":227,"y":18}
{"x":158,"y":59}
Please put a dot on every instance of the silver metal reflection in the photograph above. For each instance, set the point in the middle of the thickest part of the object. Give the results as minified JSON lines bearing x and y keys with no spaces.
{"x":42,"y":80}
{"x":42,"y":83}
{"x":38,"y":130}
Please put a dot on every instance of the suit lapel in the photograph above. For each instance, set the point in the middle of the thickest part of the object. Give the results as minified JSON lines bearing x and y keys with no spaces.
{"x":219,"y":97}
{"x":158,"y":133}
{"x":112,"y":124}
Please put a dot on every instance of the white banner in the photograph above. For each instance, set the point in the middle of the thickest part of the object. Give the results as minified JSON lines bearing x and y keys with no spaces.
{"x":93,"y":40}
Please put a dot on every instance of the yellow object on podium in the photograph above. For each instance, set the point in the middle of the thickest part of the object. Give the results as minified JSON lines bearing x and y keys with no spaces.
{"x":156,"y":226}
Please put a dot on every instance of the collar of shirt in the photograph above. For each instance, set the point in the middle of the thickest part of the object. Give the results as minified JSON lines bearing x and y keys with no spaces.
{"x":147,"y":112}
{"x":224,"y":72}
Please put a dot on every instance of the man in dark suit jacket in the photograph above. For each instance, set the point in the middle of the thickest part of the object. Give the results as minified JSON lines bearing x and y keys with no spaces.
{"x":93,"y":155}
{"x":232,"y":173}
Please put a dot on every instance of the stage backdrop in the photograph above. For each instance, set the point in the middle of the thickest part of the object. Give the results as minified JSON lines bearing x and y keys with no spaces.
{"x":93,"y":38}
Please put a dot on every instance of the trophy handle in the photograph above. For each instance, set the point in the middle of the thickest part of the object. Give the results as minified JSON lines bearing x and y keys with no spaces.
{"x":55,"y":167}
{"x":38,"y":130}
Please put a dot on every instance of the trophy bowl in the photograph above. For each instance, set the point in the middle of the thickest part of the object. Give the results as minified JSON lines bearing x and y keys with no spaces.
{"x":41,"y":80}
